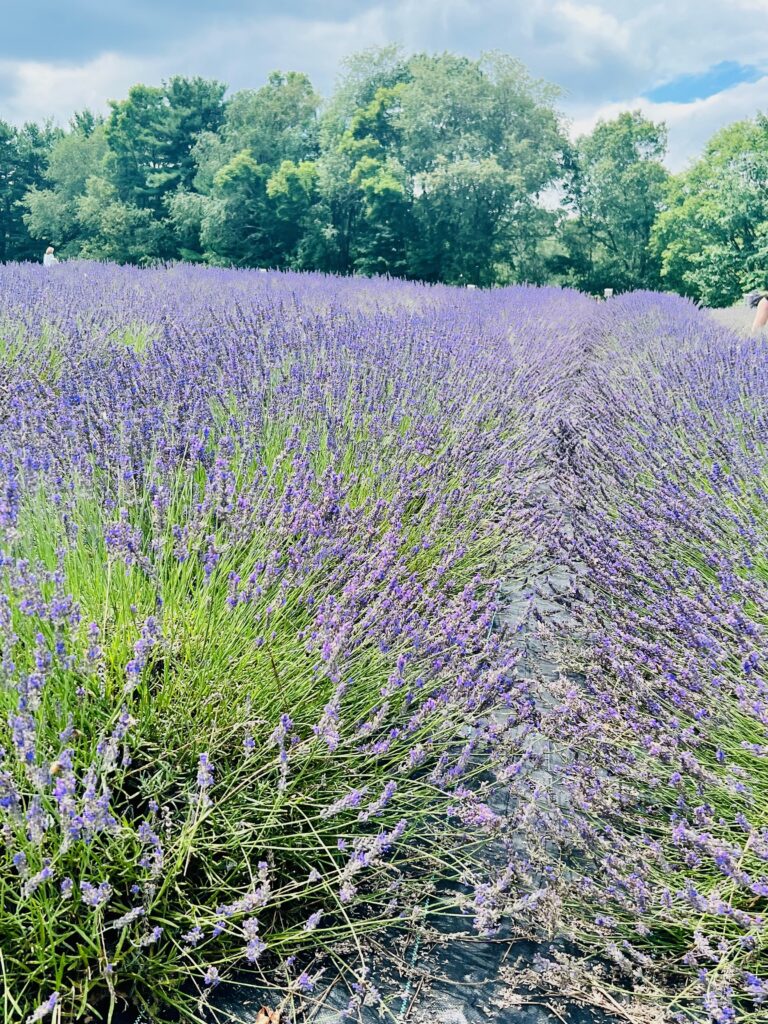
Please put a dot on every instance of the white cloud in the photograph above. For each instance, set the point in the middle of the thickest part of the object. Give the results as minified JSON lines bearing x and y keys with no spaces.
{"x":690,"y":124}
{"x":40,"y":90}
{"x":240,"y":53}
{"x":605,"y":53}
{"x":596,"y":28}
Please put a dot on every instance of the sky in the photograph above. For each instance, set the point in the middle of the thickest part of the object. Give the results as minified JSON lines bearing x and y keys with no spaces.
{"x":695,"y":64}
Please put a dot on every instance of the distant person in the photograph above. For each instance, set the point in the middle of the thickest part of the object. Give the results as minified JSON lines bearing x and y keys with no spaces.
{"x":49,"y":259}
{"x":759,"y":302}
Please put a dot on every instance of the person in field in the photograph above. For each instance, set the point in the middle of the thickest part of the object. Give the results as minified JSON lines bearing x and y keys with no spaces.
{"x":49,"y":259}
{"x":759,"y":302}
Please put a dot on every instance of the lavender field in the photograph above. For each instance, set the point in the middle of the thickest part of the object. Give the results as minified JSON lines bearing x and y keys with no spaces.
{"x":273,"y":548}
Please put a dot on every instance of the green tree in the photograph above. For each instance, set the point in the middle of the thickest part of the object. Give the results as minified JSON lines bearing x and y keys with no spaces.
{"x":340,"y":234}
{"x":712,"y":236}
{"x":51,"y":210}
{"x":365,"y":73}
{"x":236,"y":220}
{"x":614,"y":190}
{"x":23,"y":157}
{"x":196,"y":105}
{"x":437,"y":172}
{"x":276,"y":122}
{"x":115,"y":230}
{"x":292,"y":191}
{"x":151,"y":135}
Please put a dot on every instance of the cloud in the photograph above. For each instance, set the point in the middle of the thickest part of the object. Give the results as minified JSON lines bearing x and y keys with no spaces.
{"x":36,"y":90}
{"x":596,"y":27}
{"x":606,"y":56}
{"x":240,"y":52}
{"x":690,"y":124}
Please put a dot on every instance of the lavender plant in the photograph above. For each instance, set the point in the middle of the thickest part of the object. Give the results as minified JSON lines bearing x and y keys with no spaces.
{"x":654,"y":831}
{"x":253,"y":533}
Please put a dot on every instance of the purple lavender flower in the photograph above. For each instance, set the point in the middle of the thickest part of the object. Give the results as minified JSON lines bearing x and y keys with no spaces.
{"x":377,"y":806}
{"x":95,"y":896}
{"x":34,"y":882}
{"x":204,"y":779}
{"x":151,"y":938}
{"x":193,"y":937}
{"x":150,"y":636}
{"x":211,"y":978}
{"x":351,"y":799}
{"x":153,"y":857}
{"x":304,"y":983}
{"x":24,"y":736}
{"x":255,"y":946}
{"x":44,"y":1010}
{"x":128,"y":918}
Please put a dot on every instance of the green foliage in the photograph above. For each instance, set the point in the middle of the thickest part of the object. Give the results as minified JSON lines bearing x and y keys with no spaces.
{"x":614,"y":189}
{"x":433,"y":166}
{"x":426,"y":166}
{"x":277,"y":122}
{"x":461,"y":215}
{"x":292,"y":188}
{"x":23,"y":157}
{"x":711,"y":237}
{"x":234,"y":220}
{"x":115,"y":230}
{"x":151,"y":134}
{"x":52,"y":211}
{"x":237,"y":223}
{"x":151,"y":137}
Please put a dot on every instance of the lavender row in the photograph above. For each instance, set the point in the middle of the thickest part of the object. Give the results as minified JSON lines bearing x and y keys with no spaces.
{"x":656,"y":802}
{"x":254,"y":531}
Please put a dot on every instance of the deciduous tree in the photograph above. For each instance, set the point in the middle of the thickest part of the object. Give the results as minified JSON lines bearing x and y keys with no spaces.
{"x":613,"y":193}
{"x":712,"y":236}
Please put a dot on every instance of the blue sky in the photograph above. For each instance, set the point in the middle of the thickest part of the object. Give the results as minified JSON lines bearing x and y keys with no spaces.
{"x":697,"y":64}
{"x":701,"y":85}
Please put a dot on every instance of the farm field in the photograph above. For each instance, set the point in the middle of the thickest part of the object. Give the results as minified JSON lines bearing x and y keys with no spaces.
{"x":272,"y":548}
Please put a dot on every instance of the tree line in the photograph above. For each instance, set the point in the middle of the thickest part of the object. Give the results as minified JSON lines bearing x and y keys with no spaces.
{"x":434,"y":167}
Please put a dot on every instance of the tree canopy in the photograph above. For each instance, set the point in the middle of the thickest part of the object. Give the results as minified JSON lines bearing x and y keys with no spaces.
{"x":712,"y":235}
{"x":429,"y":166}
{"x":614,"y":188}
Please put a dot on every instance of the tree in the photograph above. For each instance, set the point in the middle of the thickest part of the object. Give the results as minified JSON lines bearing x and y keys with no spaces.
{"x":115,"y":230}
{"x":236,"y":225}
{"x":196,"y":105}
{"x":235,"y":220}
{"x":276,"y":122}
{"x":80,"y":209}
{"x":712,"y":236}
{"x":437,"y":171}
{"x":51,"y":210}
{"x":292,"y":190}
{"x":23,"y":154}
{"x":614,"y":191}
{"x":151,"y":136}
{"x":495,"y":145}
{"x":341,"y":232}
